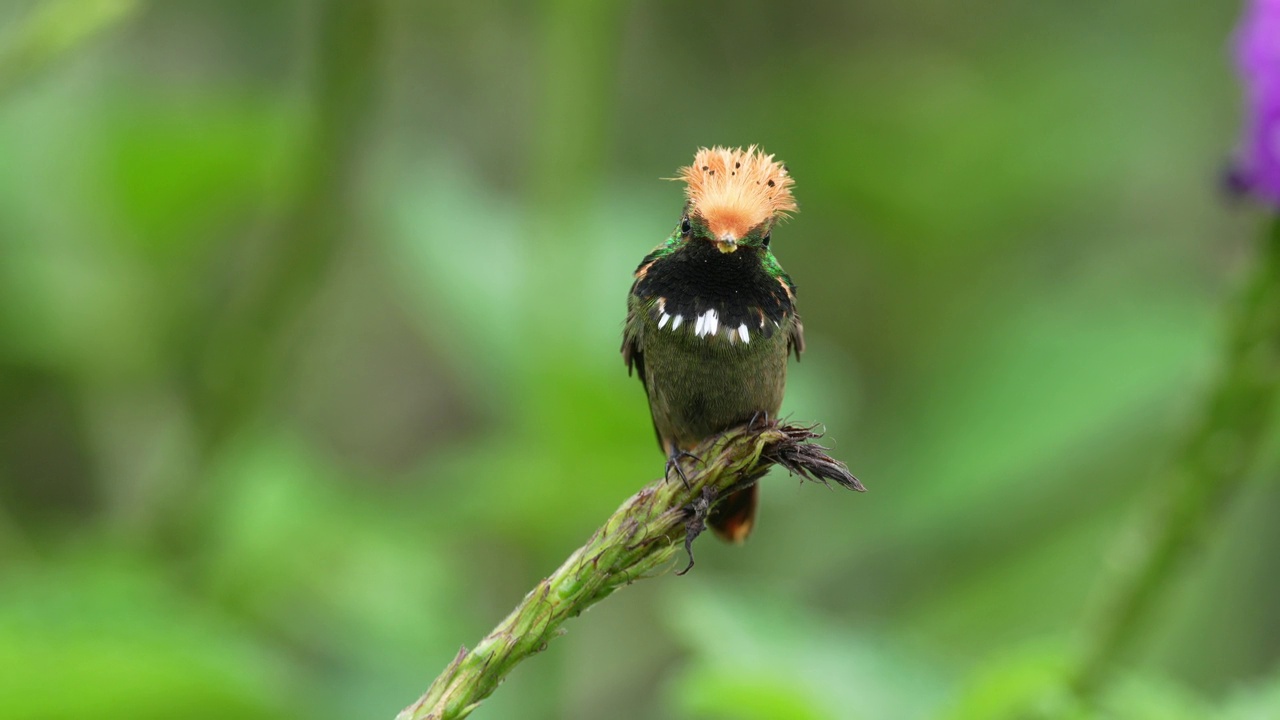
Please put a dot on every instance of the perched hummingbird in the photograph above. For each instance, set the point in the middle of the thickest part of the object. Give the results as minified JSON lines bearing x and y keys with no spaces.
{"x":711,"y":317}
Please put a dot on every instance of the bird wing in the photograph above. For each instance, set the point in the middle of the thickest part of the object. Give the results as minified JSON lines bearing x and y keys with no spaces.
{"x":633,"y":356}
{"x":632,"y":353}
{"x":795,"y":337}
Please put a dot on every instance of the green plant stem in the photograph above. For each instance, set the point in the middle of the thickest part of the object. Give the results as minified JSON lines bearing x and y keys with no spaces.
{"x":241,"y":349}
{"x":638,"y":539}
{"x":1208,"y":472}
{"x":237,"y":367}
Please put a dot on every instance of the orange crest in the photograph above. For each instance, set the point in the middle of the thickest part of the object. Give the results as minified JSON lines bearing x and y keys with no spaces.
{"x":736,"y":190}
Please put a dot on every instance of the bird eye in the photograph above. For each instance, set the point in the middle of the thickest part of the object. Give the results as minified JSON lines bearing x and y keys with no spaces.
{"x":684,"y":226}
{"x":765,"y":241}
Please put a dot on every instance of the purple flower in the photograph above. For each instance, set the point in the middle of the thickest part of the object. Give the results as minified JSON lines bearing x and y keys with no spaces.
{"x":1257,"y":46}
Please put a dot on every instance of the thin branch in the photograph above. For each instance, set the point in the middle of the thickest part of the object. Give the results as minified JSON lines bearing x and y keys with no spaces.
{"x":635,"y":542}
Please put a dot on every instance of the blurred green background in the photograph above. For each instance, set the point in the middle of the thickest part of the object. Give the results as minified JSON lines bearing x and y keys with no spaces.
{"x":309,"y":328}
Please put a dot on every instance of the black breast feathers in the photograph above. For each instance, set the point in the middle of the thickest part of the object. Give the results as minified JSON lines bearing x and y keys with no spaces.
{"x":698,"y":277}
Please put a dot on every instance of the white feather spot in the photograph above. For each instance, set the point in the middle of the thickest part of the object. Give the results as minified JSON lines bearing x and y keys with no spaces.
{"x":708,"y":324}
{"x":676,"y":323}
{"x":742,"y":333}
{"x":663,"y":321}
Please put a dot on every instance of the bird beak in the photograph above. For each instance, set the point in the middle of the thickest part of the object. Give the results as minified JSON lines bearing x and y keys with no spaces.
{"x":727,"y":243}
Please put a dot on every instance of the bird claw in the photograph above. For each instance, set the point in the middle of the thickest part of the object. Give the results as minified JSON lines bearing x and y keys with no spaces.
{"x":674,"y":462}
{"x":760,"y":420}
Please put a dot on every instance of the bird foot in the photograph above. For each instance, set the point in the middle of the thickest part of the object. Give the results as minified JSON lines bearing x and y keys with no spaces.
{"x":674,"y":462}
{"x":761,"y":421}
{"x":698,"y":511}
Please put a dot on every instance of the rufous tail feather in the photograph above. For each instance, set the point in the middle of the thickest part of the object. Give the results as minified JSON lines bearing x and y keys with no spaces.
{"x":733,"y":517}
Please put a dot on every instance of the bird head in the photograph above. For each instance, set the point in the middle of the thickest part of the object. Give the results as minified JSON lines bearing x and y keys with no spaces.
{"x":735,"y":197}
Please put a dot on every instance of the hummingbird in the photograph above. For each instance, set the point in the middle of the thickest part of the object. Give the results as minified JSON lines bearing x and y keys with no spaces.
{"x":711,"y":316}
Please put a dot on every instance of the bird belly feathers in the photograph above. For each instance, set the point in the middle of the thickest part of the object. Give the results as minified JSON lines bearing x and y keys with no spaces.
{"x":703,"y":378}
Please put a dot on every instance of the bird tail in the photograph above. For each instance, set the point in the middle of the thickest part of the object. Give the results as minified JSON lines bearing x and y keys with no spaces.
{"x":733,"y":517}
